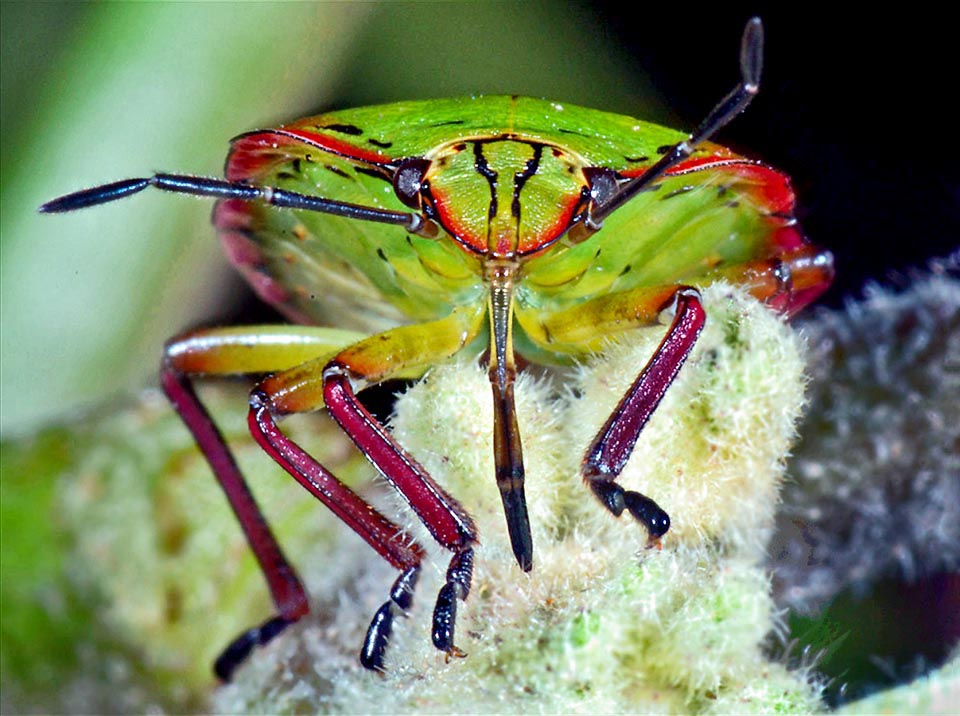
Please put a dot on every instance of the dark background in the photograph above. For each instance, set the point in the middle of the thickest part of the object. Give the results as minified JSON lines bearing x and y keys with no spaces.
{"x":854,"y":106}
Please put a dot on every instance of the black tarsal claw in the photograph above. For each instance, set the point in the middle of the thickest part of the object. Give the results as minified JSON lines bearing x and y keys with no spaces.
{"x":239,"y":649}
{"x":644,"y":510}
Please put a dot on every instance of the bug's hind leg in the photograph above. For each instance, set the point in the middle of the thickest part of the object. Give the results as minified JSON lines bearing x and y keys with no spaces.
{"x":285,"y":586}
{"x":240,"y":648}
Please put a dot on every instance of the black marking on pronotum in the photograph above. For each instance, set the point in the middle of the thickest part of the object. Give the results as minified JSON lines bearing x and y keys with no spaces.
{"x":296,"y":165}
{"x":574,"y":132}
{"x":336,"y":170}
{"x":664,"y":148}
{"x":678,"y":192}
{"x":378,"y":143}
{"x":376,"y":173}
{"x":641,"y":158}
{"x":480,"y":164}
{"x":732,"y":204}
{"x":520,"y":178}
{"x":351,"y":129}
{"x":448,"y":123}
{"x":626,"y":269}
{"x":382,"y":255}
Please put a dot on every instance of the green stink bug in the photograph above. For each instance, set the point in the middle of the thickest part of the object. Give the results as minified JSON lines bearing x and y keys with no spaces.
{"x":485,"y":224}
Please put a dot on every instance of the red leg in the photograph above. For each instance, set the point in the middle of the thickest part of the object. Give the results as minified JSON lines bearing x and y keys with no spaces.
{"x":389,"y":540}
{"x":442,"y":515}
{"x":285,"y":586}
{"x":308,"y":387}
{"x":260,"y":349}
{"x":611,"y":448}
{"x":786,"y":282}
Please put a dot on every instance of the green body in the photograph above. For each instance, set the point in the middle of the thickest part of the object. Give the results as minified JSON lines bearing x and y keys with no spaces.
{"x":712,"y":212}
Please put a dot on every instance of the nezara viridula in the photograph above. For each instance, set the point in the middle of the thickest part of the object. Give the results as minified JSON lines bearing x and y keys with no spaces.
{"x":475,"y":224}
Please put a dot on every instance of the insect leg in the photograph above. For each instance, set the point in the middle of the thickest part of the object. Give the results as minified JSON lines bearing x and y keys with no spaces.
{"x":389,"y":540}
{"x":595,"y":320}
{"x":607,"y":455}
{"x":285,"y":586}
{"x":786,"y":282}
{"x":257,"y":350}
{"x":364,"y":363}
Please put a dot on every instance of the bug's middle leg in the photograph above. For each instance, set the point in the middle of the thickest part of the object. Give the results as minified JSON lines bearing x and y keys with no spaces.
{"x":334,"y":386}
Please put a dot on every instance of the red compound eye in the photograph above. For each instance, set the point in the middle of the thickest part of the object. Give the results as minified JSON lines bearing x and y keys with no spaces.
{"x":408,"y":181}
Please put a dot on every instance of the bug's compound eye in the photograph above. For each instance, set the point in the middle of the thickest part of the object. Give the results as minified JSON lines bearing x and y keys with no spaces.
{"x":408,"y":181}
{"x":604,"y":183}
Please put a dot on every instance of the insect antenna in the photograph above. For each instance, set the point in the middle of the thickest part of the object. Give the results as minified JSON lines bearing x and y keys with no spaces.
{"x":224,"y":189}
{"x":751,"y":65}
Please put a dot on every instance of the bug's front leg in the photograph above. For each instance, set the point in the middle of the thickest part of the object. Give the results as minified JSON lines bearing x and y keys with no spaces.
{"x":389,"y":540}
{"x":607,"y":455}
{"x":333,"y":384}
{"x":588,"y":324}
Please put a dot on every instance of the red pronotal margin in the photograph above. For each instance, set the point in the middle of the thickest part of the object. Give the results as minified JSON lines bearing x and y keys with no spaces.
{"x":256,"y":153}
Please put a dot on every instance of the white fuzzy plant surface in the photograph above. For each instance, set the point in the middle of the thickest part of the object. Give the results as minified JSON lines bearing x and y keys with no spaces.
{"x":602,"y":623}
